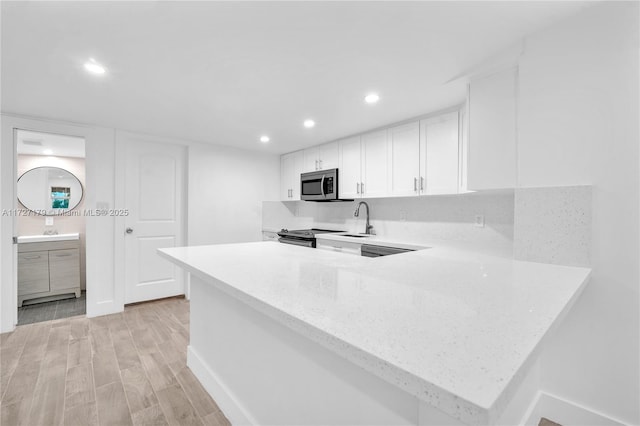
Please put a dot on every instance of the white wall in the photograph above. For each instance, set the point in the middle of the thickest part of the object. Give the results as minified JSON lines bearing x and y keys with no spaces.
{"x":578,"y":124}
{"x":226,"y":190}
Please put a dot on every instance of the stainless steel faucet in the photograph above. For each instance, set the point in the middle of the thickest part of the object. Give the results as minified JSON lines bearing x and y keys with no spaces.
{"x":368,"y":228}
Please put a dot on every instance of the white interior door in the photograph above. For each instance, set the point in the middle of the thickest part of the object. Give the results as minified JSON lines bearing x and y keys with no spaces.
{"x":154,"y":197}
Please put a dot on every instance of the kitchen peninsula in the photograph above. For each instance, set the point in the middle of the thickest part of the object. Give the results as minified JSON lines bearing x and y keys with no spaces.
{"x":282,"y":334}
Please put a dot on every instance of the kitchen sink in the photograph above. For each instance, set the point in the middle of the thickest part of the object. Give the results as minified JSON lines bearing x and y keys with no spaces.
{"x":355,"y":235}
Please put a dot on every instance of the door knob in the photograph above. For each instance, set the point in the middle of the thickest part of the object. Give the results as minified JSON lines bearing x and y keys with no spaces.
{"x":129,"y":230}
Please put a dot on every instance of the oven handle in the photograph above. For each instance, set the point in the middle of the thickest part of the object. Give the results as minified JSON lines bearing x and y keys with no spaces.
{"x":322,"y":186}
{"x":304,"y":243}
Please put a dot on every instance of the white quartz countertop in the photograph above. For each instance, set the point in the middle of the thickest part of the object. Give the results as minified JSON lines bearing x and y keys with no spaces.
{"x":457,"y":329}
{"x":45,"y":238}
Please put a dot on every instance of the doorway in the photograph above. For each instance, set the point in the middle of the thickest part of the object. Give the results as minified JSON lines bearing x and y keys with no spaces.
{"x":50,"y":226}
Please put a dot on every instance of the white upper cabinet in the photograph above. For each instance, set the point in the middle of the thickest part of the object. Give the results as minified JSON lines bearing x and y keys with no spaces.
{"x":416,"y":158}
{"x":311,"y":156}
{"x":375,"y":164}
{"x":349,"y":168}
{"x":328,"y":156}
{"x":404,"y":158}
{"x":291,"y":165}
{"x":321,"y":157}
{"x":439,"y":154}
{"x":492,"y":131}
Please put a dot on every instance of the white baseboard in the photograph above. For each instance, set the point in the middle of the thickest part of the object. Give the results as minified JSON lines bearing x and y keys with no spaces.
{"x":565,"y":412}
{"x":232,"y":409}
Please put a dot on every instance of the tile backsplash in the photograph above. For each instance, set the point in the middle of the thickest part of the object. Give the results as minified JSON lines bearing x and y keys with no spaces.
{"x":447,"y":218}
{"x":553,"y":225}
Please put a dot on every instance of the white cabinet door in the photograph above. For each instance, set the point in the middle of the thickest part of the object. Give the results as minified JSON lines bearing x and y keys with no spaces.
{"x":298,"y":163}
{"x":439,"y":154}
{"x":349,"y":177}
{"x":311,"y":159}
{"x":291,"y":165}
{"x":328,"y":156}
{"x":404,"y":158}
{"x":375,"y":164}
{"x":286,"y":170}
{"x":492,"y":131}
{"x":155,"y":183}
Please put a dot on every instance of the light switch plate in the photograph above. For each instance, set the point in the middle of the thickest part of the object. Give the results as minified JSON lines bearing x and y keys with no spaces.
{"x":48,"y":221}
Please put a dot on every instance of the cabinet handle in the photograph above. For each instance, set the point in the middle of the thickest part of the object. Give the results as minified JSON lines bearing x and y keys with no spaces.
{"x":421,"y":183}
{"x":320,"y":163}
{"x":62,"y":255}
{"x":415,"y":184}
{"x":362,"y":187}
{"x":358,"y":188}
{"x":31,"y":257}
{"x":316,"y":164}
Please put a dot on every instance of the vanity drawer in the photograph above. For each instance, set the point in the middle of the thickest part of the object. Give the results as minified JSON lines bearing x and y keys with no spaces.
{"x":33,"y":272}
{"x":64,"y":268}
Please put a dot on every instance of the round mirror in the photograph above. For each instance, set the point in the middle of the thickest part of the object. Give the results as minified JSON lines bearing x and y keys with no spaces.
{"x":49,"y":190}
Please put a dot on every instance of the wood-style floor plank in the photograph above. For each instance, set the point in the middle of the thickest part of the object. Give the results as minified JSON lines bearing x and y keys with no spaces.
{"x":105,"y":367}
{"x":81,"y":415}
{"x":152,"y":416}
{"x":177,"y":408}
{"x":79,"y":328}
{"x":159,"y":373}
{"x":138,"y":389}
{"x":125,"y":349}
{"x":200,"y":399}
{"x":79,"y":352}
{"x":216,"y":419}
{"x":112,"y":405}
{"x":79,"y":388}
{"x":120,"y":369}
{"x":22,"y":383}
{"x":16,"y":414}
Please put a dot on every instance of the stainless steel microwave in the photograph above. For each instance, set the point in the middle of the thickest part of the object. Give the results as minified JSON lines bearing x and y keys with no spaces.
{"x":319,"y":186}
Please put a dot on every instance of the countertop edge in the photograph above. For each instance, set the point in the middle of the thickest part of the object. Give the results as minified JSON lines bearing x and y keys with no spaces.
{"x":507,"y":393}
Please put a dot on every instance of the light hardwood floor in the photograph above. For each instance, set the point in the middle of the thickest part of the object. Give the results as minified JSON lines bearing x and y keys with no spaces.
{"x":121,"y":369}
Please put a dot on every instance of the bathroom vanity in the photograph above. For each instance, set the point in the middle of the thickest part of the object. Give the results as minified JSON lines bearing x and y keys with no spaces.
{"x":48,"y":267}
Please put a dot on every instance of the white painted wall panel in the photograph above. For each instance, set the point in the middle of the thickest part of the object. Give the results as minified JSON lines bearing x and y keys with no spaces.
{"x":226,"y":190}
{"x":578,"y":124}
{"x":492,"y":131}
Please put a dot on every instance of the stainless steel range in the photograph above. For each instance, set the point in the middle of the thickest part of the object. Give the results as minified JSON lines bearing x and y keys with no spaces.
{"x":302,"y":237}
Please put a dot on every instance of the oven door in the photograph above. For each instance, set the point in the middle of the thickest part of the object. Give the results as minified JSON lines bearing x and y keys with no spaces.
{"x":319,"y":186}
{"x":297,"y":242}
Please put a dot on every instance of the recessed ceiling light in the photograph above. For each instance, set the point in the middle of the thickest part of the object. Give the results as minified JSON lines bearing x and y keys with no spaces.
{"x":309,"y":123}
{"x":372,"y":98}
{"x":93,"y":67}
{"x":47,"y":152}
{"x":264,"y":139}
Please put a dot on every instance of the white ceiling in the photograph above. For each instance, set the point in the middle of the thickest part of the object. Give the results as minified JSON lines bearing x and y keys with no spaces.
{"x":228,"y":72}
{"x":36,"y":143}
